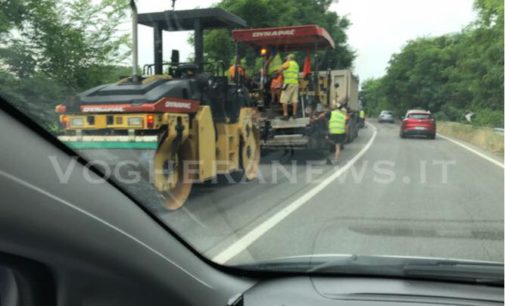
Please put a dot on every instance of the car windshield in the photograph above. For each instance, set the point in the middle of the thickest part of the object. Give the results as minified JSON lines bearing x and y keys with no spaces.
{"x":254,"y":129}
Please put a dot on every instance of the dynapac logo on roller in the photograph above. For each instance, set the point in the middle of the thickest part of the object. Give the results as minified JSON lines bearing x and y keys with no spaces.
{"x":173,"y":104}
{"x":98,"y":109}
{"x":274,"y":33}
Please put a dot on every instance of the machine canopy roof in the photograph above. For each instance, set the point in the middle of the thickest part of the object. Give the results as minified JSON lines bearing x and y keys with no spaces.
{"x":291,"y":38}
{"x":185,"y":20}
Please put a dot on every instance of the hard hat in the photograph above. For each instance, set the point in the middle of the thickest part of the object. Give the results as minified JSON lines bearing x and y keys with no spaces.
{"x":290,"y":56}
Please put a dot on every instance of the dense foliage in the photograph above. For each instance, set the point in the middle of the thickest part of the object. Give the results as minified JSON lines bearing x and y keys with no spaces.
{"x":449,"y":75}
{"x":50,"y":49}
{"x":271,"y":13}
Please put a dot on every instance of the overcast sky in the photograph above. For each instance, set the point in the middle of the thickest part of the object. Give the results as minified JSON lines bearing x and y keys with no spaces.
{"x":379,"y":27}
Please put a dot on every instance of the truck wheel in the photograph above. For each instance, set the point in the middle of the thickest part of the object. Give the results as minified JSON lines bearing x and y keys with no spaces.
{"x":170,"y":177}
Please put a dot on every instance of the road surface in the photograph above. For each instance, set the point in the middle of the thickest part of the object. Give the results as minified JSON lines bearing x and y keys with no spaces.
{"x":388,"y":196}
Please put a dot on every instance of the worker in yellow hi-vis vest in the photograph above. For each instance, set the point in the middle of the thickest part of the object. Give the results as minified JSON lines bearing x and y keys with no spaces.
{"x":289,"y":94}
{"x":336,"y":129}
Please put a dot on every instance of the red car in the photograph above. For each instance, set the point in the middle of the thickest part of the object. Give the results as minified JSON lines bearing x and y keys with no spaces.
{"x":418,"y":122}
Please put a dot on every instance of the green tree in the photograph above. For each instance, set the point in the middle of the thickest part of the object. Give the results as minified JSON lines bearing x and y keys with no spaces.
{"x":66,"y":39}
{"x":51,"y":49}
{"x":12,"y":13}
{"x":490,"y":12}
{"x":373,"y":98}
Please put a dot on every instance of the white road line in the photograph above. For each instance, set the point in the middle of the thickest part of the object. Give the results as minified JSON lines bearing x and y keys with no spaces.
{"x":494,"y":161}
{"x":246,"y":240}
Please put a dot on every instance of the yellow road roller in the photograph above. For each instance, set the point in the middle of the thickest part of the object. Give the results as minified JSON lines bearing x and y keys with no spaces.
{"x":183,"y":122}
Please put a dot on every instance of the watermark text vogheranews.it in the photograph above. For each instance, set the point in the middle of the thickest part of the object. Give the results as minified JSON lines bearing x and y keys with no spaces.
{"x":293,"y":172}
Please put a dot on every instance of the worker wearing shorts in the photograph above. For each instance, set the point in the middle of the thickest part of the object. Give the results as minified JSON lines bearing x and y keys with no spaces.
{"x":289,"y":95}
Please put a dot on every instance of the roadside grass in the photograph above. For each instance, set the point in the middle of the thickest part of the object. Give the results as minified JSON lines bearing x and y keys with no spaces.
{"x":483,"y":137}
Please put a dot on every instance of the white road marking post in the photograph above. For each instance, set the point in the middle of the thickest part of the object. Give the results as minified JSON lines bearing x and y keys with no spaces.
{"x":492,"y":160}
{"x":241,"y":244}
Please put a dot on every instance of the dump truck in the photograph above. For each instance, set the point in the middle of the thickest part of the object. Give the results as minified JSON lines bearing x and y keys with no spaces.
{"x":319,"y":89}
{"x":183,"y":122}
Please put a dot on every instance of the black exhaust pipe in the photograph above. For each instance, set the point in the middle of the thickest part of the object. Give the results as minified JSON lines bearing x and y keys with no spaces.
{"x":135,"y":59}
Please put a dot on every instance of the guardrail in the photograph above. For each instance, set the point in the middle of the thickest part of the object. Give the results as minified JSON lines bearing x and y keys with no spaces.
{"x":483,"y":137}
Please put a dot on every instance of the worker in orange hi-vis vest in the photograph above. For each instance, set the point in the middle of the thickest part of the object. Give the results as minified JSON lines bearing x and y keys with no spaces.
{"x":276,"y":87}
{"x":239,"y":69}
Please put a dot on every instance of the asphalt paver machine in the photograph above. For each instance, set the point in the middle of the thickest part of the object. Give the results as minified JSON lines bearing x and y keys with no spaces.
{"x":319,"y":89}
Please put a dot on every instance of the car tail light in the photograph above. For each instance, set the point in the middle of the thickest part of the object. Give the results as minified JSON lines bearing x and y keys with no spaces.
{"x":150,"y":121}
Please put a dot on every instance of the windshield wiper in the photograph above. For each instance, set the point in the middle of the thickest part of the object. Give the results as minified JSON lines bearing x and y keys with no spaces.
{"x":440,"y":269}
{"x":478,"y":272}
{"x":412,"y":267}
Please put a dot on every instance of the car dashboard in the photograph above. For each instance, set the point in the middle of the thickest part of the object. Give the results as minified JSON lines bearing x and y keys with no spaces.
{"x":315,"y":291}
